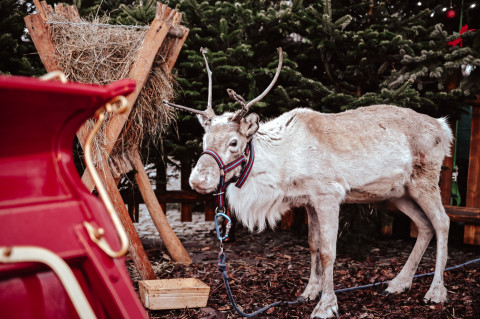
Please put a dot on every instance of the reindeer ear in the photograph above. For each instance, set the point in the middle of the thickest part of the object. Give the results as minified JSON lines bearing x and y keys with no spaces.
{"x":204,"y":121}
{"x":249,"y":124}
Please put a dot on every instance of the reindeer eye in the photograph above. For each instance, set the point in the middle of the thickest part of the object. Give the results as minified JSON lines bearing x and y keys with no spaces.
{"x":233,"y":143}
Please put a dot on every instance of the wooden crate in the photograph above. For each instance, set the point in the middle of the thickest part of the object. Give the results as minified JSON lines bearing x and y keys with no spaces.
{"x":173,"y":293}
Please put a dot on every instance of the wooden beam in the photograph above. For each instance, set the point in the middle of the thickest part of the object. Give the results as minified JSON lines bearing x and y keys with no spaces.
{"x":186,"y":208}
{"x":40,"y":10}
{"x":171,"y":241}
{"x":175,"y":49}
{"x":463,"y":214}
{"x":137,"y":253}
{"x":472,"y":231}
{"x":473,"y":180}
{"x":40,"y":33}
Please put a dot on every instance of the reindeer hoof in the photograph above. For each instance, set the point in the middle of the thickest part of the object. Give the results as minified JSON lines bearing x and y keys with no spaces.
{"x":398,"y":285}
{"x":436,"y":294}
{"x":326,"y":308}
{"x":301,"y":299}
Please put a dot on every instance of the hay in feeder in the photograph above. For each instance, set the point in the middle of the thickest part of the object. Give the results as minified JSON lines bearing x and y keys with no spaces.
{"x":97,"y":53}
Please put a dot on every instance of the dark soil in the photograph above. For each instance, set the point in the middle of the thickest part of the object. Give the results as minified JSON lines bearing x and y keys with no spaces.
{"x":274,"y":265}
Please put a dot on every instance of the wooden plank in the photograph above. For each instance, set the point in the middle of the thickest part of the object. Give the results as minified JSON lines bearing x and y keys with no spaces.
{"x":463,"y":214}
{"x":40,"y":34}
{"x":471,"y":234}
{"x":40,"y":10}
{"x":473,"y":180}
{"x":47,"y":9}
{"x":177,"y":196}
{"x":176,"y":48}
{"x":171,"y":241}
{"x":137,"y":253}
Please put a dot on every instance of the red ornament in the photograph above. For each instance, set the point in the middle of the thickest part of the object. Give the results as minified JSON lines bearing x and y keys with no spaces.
{"x":451,"y":13}
{"x":459,"y":40}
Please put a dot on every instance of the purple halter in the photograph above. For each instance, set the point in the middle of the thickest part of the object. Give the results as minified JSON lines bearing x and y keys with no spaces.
{"x":224,"y":169}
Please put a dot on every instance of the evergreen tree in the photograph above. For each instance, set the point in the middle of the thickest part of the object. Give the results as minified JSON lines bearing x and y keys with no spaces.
{"x":382,"y":52}
{"x":17,"y":54}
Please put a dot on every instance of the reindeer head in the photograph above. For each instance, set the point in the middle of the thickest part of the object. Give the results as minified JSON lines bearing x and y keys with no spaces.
{"x":227,"y":135}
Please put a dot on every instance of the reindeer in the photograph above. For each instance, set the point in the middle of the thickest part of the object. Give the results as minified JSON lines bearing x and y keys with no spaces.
{"x":319,"y":161}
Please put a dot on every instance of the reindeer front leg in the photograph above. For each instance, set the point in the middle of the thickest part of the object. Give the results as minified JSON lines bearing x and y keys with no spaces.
{"x":314,"y":285}
{"x":327,"y":209}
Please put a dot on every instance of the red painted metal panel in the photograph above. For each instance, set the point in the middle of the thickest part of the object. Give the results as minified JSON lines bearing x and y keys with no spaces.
{"x":44,"y":203}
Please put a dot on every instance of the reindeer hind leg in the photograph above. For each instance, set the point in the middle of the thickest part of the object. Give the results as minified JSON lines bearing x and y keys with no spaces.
{"x":427,"y":196}
{"x":425,"y":233}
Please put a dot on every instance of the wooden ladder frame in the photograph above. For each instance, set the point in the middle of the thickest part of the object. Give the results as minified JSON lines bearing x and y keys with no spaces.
{"x":165,"y":36}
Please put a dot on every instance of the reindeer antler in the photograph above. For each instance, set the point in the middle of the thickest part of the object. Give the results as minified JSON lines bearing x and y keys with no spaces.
{"x":209,"y":103}
{"x":241,"y":113}
{"x":184,"y":108}
{"x":209,"y":113}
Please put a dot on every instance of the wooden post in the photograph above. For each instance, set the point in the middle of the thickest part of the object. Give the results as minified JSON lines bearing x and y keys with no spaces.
{"x":287,"y":220}
{"x":40,"y":34}
{"x":161,"y":182}
{"x":472,"y":231}
{"x":209,"y":208}
{"x":171,"y":241}
{"x":185,"y":208}
{"x":446,"y":173}
{"x":137,"y":253}
{"x":387,"y":225}
{"x":413,"y":230}
{"x":134,"y":210}
{"x":473,"y":181}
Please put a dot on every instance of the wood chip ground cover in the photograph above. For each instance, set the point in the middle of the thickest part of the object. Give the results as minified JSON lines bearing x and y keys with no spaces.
{"x":274,"y":265}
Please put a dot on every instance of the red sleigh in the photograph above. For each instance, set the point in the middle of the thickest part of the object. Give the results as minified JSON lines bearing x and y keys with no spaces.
{"x":55,"y":236}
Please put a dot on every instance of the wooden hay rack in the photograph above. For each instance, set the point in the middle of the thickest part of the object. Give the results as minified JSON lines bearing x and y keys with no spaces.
{"x":165,"y":37}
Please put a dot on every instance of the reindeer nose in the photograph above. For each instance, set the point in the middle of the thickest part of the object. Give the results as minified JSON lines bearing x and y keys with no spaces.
{"x":198,"y":183}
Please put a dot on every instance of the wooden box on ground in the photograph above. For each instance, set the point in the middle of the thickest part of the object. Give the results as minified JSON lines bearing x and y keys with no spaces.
{"x":173,"y":293}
